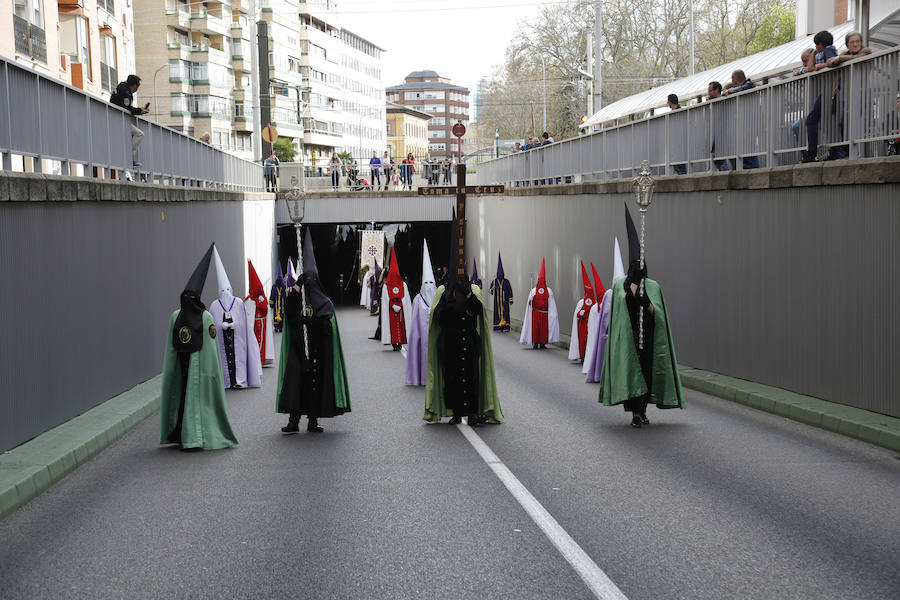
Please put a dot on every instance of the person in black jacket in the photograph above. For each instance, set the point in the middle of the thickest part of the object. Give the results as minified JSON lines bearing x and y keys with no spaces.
{"x":124,"y":97}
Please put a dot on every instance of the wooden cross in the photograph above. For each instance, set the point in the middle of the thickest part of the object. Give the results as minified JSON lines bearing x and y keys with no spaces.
{"x":460,"y":189}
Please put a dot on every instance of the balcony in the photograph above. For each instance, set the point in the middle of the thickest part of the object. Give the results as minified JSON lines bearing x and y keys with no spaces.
{"x":177,"y":18}
{"x":30,"y":39}
{"x":209,"y":24}
{"x":241,"y":5}
{"x":205,"y":53}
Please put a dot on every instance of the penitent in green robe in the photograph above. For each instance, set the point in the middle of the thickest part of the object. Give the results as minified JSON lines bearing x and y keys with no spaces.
{"x":205,"y":424}
{"x":622,"y":378}
{"x":488,"y":400}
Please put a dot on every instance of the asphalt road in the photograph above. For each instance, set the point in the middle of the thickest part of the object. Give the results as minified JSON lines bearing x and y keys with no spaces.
{"x":717,"y":501}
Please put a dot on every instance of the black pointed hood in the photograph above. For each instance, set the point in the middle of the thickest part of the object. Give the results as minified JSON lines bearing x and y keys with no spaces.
{"x":634,"y":249}
{"x":316,"y":298}
{"x":187,"y":334}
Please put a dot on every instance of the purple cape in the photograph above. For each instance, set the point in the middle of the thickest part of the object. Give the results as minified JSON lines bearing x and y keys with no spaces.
{"x":417,"y":349}
{"x":596,"y":365}
{"x":247,"y":367}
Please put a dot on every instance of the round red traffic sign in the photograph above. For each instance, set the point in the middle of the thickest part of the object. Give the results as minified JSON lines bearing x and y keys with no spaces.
{"x":459,"y":130}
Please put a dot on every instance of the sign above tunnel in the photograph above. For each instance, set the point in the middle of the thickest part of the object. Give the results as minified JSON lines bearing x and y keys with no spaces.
{"x":449,"y":190}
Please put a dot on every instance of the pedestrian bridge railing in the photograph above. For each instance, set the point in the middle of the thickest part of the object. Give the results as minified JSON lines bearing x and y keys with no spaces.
{"x":46,"y":124}
{"x":858,"y":113}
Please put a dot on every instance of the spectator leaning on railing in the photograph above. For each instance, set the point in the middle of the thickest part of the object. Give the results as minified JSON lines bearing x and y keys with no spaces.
{"x":825,"y":51}
{"x":124,"y":97}
{"x":739,"y":83}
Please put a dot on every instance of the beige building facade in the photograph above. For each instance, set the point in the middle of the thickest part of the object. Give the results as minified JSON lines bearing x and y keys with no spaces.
{"x":85,"y":43}
{"x":448,"y":104}
{"x":196,"y":62}
{"x":407,"y":131}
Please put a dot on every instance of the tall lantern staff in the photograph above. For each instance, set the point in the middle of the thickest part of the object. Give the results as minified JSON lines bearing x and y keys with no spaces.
{"x":643,"y":186}
{"x":296,"y":204}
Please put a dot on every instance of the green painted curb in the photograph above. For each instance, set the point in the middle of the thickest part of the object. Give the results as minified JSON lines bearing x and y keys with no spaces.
{"x":29,"y":469}
{"x":871,"y":427}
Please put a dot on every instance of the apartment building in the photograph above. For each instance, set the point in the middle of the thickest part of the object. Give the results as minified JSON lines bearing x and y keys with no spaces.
{"x":320,"y":85}
{"x":407,"y":131}
{"x":85,"y":43}
{"x":448,"y":104}
{"x":196,"y":63}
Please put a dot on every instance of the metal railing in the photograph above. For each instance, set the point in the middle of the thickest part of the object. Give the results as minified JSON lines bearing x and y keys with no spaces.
{"x":765,"y":126}
{"x":45,"y":119}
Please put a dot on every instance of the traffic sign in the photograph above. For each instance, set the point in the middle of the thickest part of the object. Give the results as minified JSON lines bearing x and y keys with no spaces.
{"x":269,"y":134}
{"x":459,"y":130}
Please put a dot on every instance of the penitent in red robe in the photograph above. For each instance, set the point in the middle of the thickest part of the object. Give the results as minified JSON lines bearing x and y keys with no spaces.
{"x":584,"y":313}
{"x":540,"y":307}
{"x":395,"y":289}
{"x":258,"y":296}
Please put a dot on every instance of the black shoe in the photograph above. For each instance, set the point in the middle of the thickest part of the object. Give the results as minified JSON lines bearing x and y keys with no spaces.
{"x":397,"y":347}
{"x":313,"y":426}
{"x":808,"y":158}
{"x":644,"y":419}
{"x":543,"y":346}
{"x":291,"y":427}
{"x":636,"y":422}
{"x":456,"y":420}
{"x":534,"y":346}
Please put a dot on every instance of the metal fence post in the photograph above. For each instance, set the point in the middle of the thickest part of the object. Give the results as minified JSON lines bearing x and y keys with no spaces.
{"x":852,"y":113}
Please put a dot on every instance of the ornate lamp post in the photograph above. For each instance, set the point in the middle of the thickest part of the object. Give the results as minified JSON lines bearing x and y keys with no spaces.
{"x":643,"y":186}
{"x":296,"y":204}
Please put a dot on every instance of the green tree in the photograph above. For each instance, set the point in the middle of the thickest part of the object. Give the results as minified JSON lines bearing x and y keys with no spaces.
{"x":777,"y":28}
{"x":284,"y":149}
{"x":346,"y":160}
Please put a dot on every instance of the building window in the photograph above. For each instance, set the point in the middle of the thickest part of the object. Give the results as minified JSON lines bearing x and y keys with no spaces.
{"x":107,"y":5}
{"x":75,"y":42}
{"x":108,"y":72}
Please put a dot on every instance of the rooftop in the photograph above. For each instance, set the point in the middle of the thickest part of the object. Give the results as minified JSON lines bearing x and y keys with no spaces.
{"x":427,"y":85}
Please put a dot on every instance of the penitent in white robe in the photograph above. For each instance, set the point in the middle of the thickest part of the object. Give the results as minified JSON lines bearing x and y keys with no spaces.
{"x":247,"y":367}
{"x":552,"y":320}
{"x":365,"y":297}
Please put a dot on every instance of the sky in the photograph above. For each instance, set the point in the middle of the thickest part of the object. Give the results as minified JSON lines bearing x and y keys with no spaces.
{"x":461,"y":39}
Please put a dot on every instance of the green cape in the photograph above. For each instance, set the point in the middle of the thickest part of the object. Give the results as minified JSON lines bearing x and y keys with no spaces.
{"x":621,"y":377}
{"x":341,"y":389}
{"x":205,"y":422}
{"x":489,"y":401}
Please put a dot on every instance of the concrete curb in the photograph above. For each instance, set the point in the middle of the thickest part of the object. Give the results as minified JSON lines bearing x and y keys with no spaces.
{"x":871,"y":427}
{"x":858,"y":423}
{"x":29,"y":469}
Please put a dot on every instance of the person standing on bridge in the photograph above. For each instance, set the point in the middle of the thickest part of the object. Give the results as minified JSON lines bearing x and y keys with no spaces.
{"x":578,"y":342}
{"x":501,"y":290}
{"x":541,"y":324}
{"x":396,"y":307}
{"x":123,"y":97}
{"x":241,"y":365}
{"x":193,"y":413}
{"x":639,"y":366}
{"x":460,"y":378}
{"x":312,"y":377}
{"x":375,"y":166}
{"x":417,"y":350}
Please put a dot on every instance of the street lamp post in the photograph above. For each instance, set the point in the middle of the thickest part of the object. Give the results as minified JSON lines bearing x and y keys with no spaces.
{"x":155,"y":99}
{"x":544,"y":77}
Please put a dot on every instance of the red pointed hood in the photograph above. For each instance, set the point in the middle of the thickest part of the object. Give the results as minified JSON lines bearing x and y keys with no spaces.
{"x":541,"y":286}
{"x":256,"y":286}
{"x":599,"y":290}
{"x":589,"y":297}
{"x":394,"y":281}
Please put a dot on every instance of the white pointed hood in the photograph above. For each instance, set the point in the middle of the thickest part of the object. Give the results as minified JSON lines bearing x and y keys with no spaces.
{"x":428,"y":287}
{"x":224,"y":290}
{"x":618,"y":268}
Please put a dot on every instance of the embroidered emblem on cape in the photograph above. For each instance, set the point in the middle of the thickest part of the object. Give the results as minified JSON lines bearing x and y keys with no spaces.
{"x":395,"y":290}
{"x":212,"y":331}
{"x":540,"y":290}
{"x":308,"y":311}
{"x":588,"y":301}
{"x":184,"y":334}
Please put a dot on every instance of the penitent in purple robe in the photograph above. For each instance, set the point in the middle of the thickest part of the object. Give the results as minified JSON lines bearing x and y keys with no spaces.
{"x":593,"y":359}
{"x":239,"y":348}
{"x":417,"y":346}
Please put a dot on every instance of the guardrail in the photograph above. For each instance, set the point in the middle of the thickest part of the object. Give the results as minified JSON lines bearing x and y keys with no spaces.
{"x":765,"y":126}
{"x":45,"y":119}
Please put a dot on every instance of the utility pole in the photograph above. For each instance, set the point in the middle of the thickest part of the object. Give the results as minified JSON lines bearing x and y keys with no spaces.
{"x":255,"y":137}
{"x":598,"y":52}
{"x":544,"y":75}
{"x":692,"y":36}
{"x":589,"y":56}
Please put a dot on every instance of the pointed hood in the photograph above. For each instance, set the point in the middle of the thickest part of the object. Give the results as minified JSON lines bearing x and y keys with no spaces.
{"x":316,"y":298}
{"x":428,"y":285}
{"x":500,"y":274}
{"x":541,"y":294}
{"x":224,"y":291}
{"x":618,"y":267}
{"x":255,"y":286}
{"x":475,"y":279}
{"x":279,"y":280}
{"x":542,"y":274}
{"x":187,"y":333}
{"x":394,"y":281}
{"x":590,"y":298}
{"x":599,"y":290}
{"x":634,"y":247}
{"x":291,"y":275}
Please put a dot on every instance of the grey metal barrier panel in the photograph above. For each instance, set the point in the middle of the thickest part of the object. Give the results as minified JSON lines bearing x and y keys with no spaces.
{"x":751,"y":127}
{"x":4,"y":108}
{"x":78,"y":127}
{"x":23,"y":93}
{"x":787,"y":120}
{"x":51,"y":121}
{"x":656,"y":143}
{"x":699,"y":140}
{"x":723,"y":116}
{"x":99,"y":126}
{"x":677,"y":141}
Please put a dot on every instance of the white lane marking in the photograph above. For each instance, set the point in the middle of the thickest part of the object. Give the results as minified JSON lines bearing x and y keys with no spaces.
{"x":592,"y":575}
